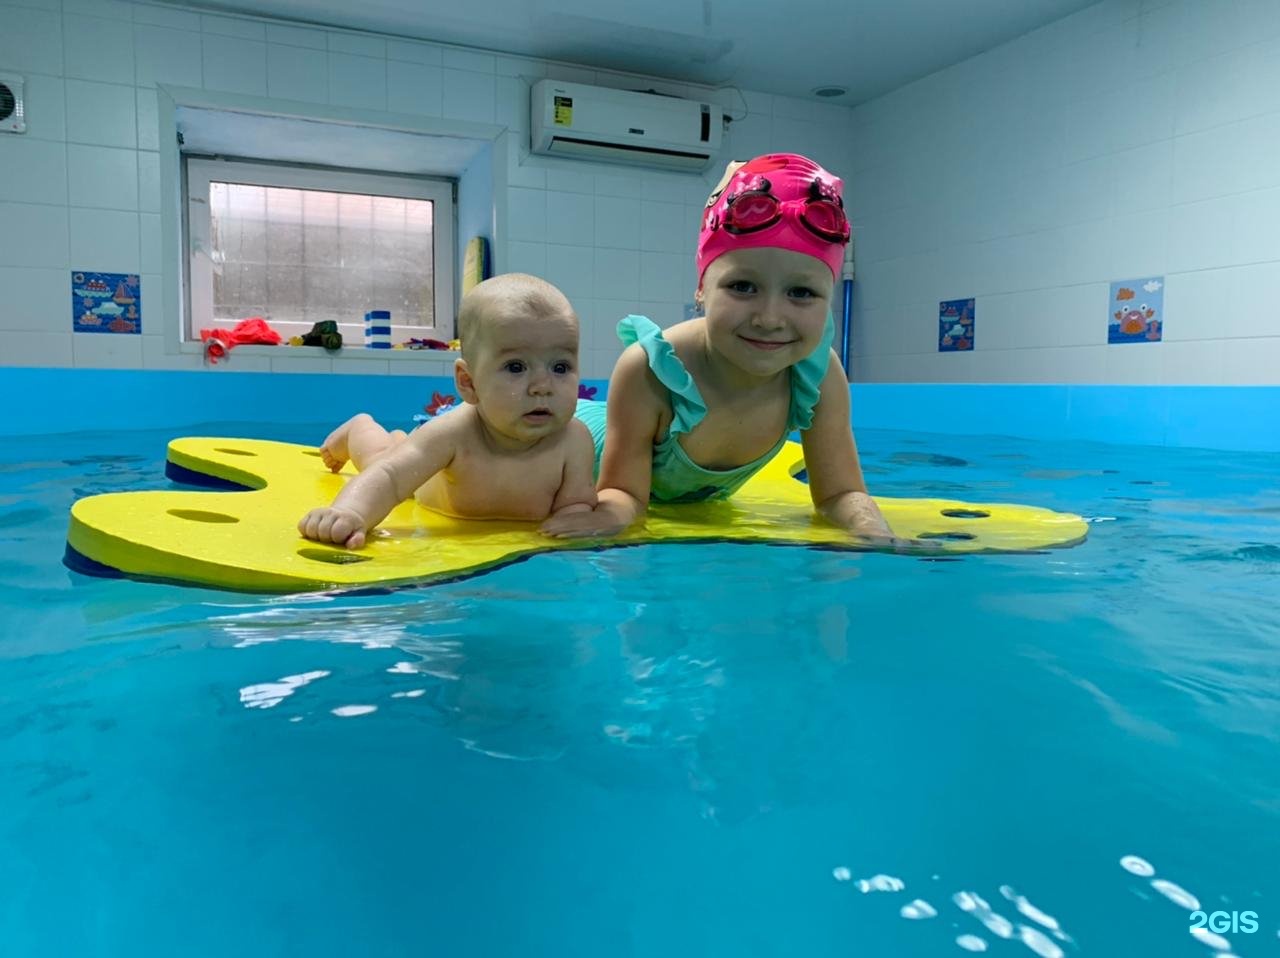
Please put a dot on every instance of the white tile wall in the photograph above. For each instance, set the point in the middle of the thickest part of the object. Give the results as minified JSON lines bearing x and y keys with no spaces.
{"x":101,"y":113}
{"x":33,"y":235}
{"x":235,"y":64}
{"x":1126,"y":140}
{"x":297,"y":73}
{"x":104,"y":241}
{"x":35,"y":171}
{"x":414,"y":88}
{"x":103,"y":177}
{"x":98,"y":49}
{"x":358,"y":81}
{"x":46,"y":107}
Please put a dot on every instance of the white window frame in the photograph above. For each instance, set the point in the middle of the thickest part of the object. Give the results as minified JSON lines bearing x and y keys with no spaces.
{"x":199,"y":171}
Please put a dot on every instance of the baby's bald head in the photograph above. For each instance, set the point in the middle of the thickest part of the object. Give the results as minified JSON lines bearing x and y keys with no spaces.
{"x":503,"y":301}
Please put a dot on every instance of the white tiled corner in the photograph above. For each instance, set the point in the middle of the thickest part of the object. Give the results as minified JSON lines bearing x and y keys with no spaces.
{"x":357,"y":81}
{"x":104,"y":114}
{"x":168,"y":56}
{"x":235,"y":65}
{"x":106,"y":350}
{"x":104,"y":241}
{"x":571,"y":217}
{"x":102,"y":177}
{"x":297,"y":73}
{"x":414,"y":88}
{"x":33,"y":235}
{"x":36,"y":349}
{"x":617,"y":273}
{"x":31,"y":41}
{"x":35,"y":171}
{"x":468,"y":95}
{"x":38,"y":299}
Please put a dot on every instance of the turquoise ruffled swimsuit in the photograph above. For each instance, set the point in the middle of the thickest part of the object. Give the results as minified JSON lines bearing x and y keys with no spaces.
{"x":676,"y":477}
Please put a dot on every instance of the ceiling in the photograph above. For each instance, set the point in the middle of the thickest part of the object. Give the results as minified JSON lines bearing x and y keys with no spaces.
{"x":868,"y":47}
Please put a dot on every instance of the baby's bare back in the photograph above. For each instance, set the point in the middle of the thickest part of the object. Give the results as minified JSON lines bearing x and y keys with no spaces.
{"x":485,"y":483}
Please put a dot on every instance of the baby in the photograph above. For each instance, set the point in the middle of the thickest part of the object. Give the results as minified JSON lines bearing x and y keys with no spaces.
{"x":513,"y":451}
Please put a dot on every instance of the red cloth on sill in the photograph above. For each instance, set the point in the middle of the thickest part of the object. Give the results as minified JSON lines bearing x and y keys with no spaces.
{"x":217,"y":342}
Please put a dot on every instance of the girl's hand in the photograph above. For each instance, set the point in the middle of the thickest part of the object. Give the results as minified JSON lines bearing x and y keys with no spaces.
{"x":342,"y":527}
{"x":582,"y":525}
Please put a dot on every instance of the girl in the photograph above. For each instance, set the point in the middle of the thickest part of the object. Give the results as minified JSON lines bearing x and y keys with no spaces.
{"x":695,"y":411}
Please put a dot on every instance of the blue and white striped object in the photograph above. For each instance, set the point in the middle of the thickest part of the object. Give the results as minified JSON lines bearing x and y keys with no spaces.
{"x":377,"y":329}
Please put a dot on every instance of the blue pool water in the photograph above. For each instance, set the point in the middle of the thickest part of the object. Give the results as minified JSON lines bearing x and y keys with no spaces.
{"x":661,"y":751}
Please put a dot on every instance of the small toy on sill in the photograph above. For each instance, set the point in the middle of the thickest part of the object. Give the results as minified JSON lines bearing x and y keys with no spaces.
{"x":324,"y":333}
{"x":413,"y":343}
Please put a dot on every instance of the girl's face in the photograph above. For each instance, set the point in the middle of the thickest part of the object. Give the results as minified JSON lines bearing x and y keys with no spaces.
{"x":766,"y":308}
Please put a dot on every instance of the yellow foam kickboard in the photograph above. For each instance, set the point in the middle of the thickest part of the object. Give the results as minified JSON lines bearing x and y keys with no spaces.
{"x":248,"y":540}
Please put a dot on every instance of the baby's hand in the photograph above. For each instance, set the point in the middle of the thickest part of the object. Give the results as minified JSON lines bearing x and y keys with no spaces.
{"x":341,"y":527}
{"x":581,"y":525}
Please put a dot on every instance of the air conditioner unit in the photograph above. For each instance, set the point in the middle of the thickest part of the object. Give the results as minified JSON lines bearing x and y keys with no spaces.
{"x":621,"y":126}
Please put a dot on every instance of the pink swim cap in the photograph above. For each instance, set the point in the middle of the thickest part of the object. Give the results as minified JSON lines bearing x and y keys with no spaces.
{"x":782,"y":200}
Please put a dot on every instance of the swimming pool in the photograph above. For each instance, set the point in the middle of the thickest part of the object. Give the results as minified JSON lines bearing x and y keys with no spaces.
{"x":665,"y":750}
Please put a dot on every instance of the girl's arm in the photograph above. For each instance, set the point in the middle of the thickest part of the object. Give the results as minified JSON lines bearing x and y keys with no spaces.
{"x":831,"y":461}
{"x":367,"y":498}
{"x":634,"y":408}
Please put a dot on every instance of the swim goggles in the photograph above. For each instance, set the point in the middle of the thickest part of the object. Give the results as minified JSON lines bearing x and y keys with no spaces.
{"x":756,"y":208}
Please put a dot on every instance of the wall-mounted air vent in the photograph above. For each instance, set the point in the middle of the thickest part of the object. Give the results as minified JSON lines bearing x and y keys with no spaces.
{"x":13,"y":117}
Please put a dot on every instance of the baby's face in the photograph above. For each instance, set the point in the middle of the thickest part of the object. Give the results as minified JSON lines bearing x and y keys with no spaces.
{"x":525,"y":373}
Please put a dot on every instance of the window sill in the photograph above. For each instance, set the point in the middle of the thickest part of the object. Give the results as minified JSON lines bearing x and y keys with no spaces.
{"x":345,"y":353}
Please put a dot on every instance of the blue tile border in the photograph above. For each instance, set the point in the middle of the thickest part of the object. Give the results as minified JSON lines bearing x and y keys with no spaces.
{"x":1245,"y":418}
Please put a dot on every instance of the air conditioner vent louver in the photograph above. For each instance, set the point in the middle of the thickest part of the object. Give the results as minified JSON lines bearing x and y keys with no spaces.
{"x":13,"y":117}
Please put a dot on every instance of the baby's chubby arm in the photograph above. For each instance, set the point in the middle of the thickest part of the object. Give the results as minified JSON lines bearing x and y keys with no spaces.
{"x":627,"y":468}
{"x":831,"y":461}
{"x":577,"y":492}
{"x":367,"y":498}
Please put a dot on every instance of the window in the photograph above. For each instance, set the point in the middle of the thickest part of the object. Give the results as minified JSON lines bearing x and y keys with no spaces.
{"x":300,"y":245}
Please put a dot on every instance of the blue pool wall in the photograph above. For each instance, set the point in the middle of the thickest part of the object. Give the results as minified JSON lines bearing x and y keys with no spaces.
{"x":50,"y":401}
